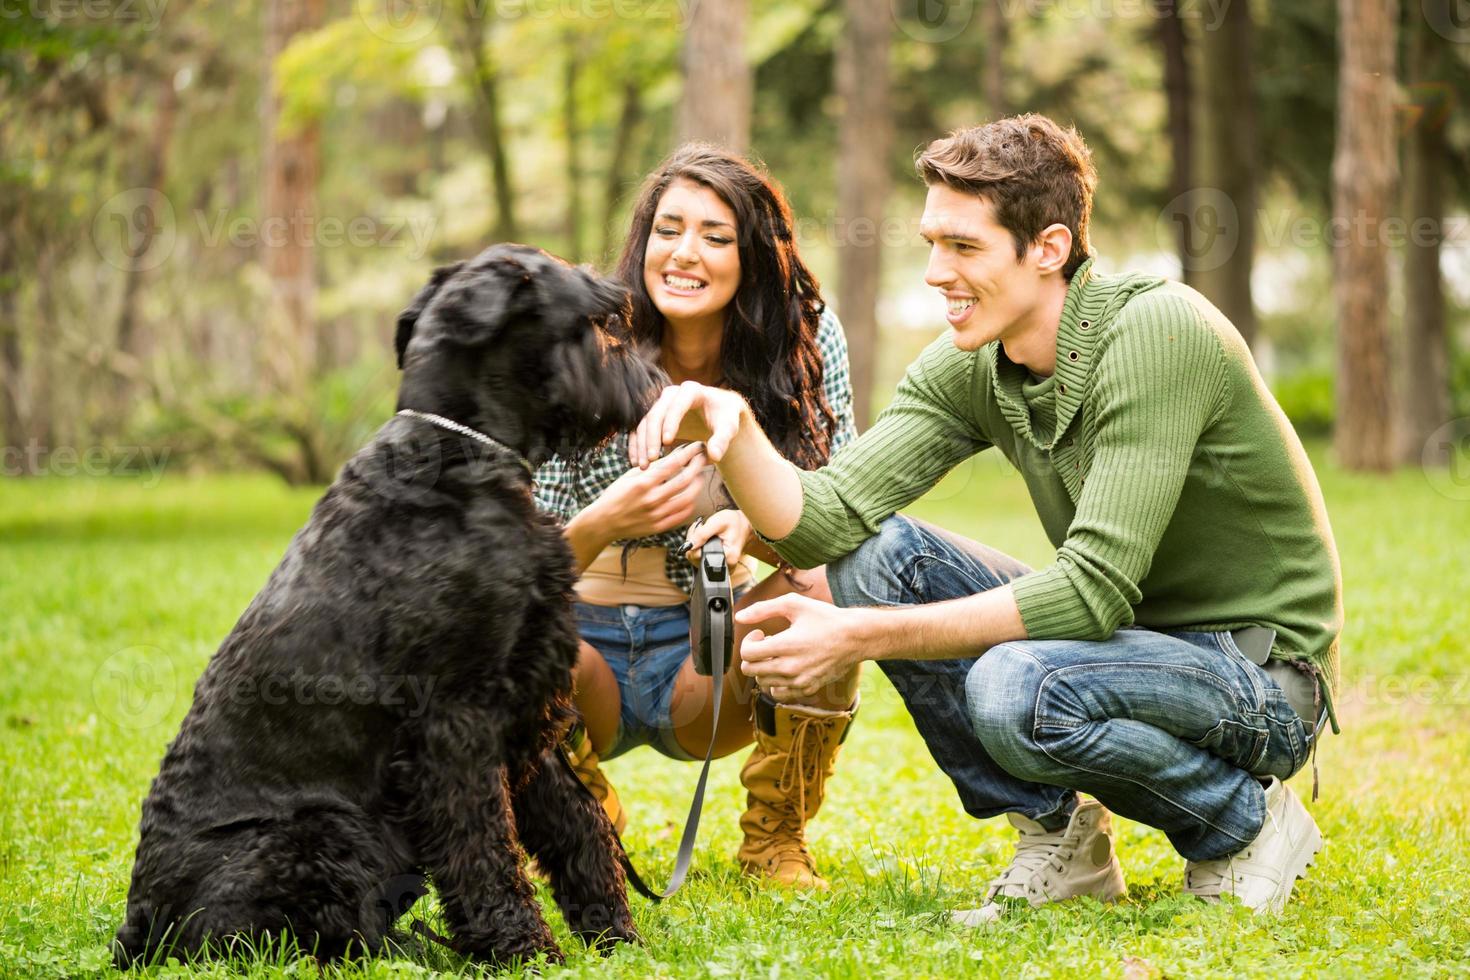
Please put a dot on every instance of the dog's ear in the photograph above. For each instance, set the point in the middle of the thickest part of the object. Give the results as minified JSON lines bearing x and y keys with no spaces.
{"x":604,"y":300}
{"x":410,"y":315}
{"x":608,"y":296}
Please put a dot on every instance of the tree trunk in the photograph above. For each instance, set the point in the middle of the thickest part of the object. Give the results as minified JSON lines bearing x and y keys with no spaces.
{"x":153,"y":175}
{"x":573,"y":127}
{"x":1426,"y":391}
{"x":45,"y":420}
{"x":617,"y":168}
{"x":718,"y":86}
{"x":998,"y":39}
{"x":12,"y":364}
{"x":12,"y":371}
{"x":864,"y":139}
{"x":1362,"y":189}
{"x":291,"y":163}
{"x":1174,"y":48}
{"x":1226,"y":167}
{"x":484,"y":82}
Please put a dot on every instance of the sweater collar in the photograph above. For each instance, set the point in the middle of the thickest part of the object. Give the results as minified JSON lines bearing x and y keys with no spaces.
{"x":1091,"y":303}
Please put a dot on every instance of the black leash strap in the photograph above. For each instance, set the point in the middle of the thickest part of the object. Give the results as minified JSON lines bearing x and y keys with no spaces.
{"x":696,"y":806}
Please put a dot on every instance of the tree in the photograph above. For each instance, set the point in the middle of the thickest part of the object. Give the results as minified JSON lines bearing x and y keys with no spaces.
{"x":630,"y":117}
{"x":291,"y":164}
{"x":571,"y":122}
{"x":1425,"y":392}
{"x":1227,"y":161}
{"x":483,"y":77}
{"x":1173,"y":45}
{"x":1362,"y":187}
{"x":864,"y":140}
{"x":997,"y":38}
{"x":152,"y":175}
{"x":718,"y":87}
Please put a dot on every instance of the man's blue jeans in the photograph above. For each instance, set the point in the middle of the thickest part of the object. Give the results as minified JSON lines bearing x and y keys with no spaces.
{"x":1169,"y":729}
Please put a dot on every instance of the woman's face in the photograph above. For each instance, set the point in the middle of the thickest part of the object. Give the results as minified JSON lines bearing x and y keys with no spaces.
{"x":691,"y":266}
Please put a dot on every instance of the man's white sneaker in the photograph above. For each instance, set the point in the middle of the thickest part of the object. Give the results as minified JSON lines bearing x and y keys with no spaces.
{"x":1052,"y":866}
{"x":1262,"y":874}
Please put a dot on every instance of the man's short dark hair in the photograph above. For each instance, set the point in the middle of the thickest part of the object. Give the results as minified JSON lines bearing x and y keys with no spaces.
{"x":1033,"y":172}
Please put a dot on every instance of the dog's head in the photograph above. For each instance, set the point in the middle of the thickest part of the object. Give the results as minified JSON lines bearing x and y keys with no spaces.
{"x":526,"y":346}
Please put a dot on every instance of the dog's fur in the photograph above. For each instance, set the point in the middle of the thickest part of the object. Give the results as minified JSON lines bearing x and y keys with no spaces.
{"x":387,"y":705}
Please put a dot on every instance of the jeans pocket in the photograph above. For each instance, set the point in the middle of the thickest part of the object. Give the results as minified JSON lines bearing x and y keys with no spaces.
{"x":1287,"y":747}
{"x":1237,"y":743}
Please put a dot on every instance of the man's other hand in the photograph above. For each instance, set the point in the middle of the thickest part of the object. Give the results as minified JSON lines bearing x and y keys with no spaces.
{"x":822,"y":644}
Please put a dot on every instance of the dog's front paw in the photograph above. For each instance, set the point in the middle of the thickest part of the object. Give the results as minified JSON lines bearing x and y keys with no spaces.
{"x":603,"y":927}
{"x":607,"y":940}
{"x":505,"y":953}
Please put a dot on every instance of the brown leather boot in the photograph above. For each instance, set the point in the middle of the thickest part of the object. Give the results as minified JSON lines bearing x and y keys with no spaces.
{"x":786,"y":780}
{"x":584,"y":764}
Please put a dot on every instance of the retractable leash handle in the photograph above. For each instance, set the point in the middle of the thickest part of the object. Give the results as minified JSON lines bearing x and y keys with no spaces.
{"x":710,"y":609}
{"x":711,"y":641}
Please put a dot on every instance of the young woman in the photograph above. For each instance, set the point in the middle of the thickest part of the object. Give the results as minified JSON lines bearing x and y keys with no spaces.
{"x":721,"y":297}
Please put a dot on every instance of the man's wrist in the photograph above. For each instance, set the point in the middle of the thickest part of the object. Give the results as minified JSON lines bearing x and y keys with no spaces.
{"x":879,"y":634}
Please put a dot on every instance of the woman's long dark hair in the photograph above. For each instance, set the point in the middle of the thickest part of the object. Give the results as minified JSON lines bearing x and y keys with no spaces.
{"x":769,"y":350}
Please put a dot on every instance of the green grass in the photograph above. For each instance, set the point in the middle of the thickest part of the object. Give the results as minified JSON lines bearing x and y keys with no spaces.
{"x":114,"y":595}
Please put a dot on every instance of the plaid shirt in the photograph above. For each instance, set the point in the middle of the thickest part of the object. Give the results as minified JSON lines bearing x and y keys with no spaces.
{"x":562,"y":490}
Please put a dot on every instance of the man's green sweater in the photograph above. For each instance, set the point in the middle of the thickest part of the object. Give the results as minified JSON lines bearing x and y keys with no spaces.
{"x":1173,"y":487}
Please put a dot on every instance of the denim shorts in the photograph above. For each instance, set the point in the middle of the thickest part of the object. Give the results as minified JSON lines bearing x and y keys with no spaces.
{"x":645,"y":647}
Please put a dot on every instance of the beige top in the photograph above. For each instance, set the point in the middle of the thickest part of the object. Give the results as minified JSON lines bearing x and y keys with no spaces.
{"x":647,"y":583}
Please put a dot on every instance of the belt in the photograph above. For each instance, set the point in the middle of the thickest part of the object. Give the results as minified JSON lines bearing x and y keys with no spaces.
{"x":1300,"y":687}
{"x":1300,"y":691}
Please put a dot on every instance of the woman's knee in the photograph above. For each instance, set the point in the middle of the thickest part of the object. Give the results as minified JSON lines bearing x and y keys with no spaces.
{"x":810,"y":582}
{"x":597,"y":696}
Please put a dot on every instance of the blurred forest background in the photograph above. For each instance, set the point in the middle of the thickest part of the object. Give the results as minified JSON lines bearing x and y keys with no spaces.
{"x":211,"y":211}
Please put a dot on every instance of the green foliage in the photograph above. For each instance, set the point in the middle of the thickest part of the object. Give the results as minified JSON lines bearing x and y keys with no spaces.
{"x":302,"y":441}
{"x":1307,"y":399}
{"x":319,"y":65}
{"x":114,"y":576}
{"x":83,"y":98}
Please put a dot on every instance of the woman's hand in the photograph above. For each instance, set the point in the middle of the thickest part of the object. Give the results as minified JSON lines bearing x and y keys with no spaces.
{"x":732,"y":529}
{"x":646,"y":502}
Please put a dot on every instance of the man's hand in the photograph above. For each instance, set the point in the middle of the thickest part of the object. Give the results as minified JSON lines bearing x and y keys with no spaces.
{"x":688,"y":411}
{"x":822,"y":644}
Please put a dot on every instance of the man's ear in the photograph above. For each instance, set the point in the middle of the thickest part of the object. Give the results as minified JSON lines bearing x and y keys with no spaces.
{"x":1055,"y":247}
{"x":410,"y":315}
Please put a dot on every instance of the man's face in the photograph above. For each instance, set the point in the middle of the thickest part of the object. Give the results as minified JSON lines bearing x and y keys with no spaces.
{"x":972,"y":261}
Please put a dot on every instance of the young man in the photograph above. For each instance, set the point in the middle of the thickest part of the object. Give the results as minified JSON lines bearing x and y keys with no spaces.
{"x":1176,"y":660}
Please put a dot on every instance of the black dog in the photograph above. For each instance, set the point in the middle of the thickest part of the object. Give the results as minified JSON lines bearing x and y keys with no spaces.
{"x":388,"y":704}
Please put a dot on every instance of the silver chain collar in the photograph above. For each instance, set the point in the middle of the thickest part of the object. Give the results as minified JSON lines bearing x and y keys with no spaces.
{"x":465,"y":430}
